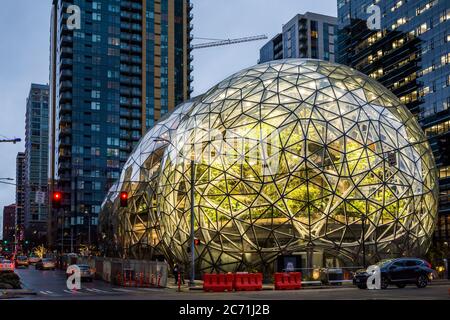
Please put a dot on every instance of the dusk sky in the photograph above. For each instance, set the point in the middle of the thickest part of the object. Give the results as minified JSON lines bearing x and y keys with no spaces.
{"x":24,"y":55}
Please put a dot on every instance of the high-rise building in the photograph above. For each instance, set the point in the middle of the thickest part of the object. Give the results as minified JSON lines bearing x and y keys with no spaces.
{"x":308,"y":35}
{"x":20,"y":196}
{"x":410,"y":55}
{"x":9,"y":222}
{"x":126,"y":66}
{"x":36,"y":164}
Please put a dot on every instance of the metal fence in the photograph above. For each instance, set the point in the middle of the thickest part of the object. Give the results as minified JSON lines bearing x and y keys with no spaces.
{"x":123,"y":272}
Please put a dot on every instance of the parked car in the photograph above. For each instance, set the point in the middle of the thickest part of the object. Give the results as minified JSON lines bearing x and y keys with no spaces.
{"x":22,"y":261}
{"x":45,"y":264}
{"x":399,"y":272}
{"x":33,"y":259}
{"x":87,"y":274}
{"x":6,"y":266}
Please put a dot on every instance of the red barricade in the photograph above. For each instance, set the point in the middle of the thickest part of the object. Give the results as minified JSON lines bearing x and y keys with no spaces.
{"x":218,"y":282}
{"x":248,"y":281}
{"x":288,"y":281}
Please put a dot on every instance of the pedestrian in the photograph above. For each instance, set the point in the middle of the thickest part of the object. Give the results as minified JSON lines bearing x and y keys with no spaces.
{"x":176,"y":270}
{"x":181,"y":270}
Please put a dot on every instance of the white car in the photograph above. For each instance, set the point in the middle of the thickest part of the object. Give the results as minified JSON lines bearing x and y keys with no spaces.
{"x":6,"y":266}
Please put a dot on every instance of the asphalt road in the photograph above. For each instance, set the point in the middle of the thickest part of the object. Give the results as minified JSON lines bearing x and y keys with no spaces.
{"x":52,"y":285}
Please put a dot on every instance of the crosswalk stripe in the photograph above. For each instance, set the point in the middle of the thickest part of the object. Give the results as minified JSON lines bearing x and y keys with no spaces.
{"x":122,"y":290}
{"x":72,"y":291}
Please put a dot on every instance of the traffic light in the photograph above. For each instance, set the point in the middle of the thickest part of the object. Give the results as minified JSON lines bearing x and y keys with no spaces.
{"x":56,"y":199}
{"x":124,"y":199}
{"x":196,"y":241}
{"x":5,"y":241}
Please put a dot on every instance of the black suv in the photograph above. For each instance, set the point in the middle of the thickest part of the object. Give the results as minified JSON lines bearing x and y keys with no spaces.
{"x":400,"y":272}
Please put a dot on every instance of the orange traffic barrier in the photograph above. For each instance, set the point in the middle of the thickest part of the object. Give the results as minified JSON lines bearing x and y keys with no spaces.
{"x":288,"y":281}
{"x":218,"y":282}
{"x":248,"y":281}
{"x":152,"y":281}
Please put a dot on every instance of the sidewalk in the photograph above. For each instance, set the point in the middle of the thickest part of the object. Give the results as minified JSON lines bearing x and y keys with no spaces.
{"x":270,"y":286}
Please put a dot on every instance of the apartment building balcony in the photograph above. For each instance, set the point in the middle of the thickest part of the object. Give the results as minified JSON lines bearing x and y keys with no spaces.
{"x":65,"y":73}
{"x":65,"y":96}
{"x":125,"y":124}
{"x":125,"y":136}
{"x":125,"y":92}
{"x":64,"y":85}
{"x":65,"y":39}
{"x":65,"y":107}
{"x":136,"y":114}
{"x":66,"y":51}
{"x":65,"y":131}
{"x":136,"y":104}
{"x":65,"y":119}
{"x":130,"y":6}
{"x":66,"y":62}
{"x":66,"y":142}
{"x":125,"y":113}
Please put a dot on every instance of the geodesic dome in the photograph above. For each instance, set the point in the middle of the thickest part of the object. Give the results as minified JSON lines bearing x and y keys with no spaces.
{"x":285,"y":157}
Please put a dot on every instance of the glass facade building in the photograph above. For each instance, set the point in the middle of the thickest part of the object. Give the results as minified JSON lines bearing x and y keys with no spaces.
{"x":308,"y":35}
{"x":295,"y":158}
{"x":36,"y":164}
{"x":20,"y":196}
{"x":410,"y":55}
{"x":9,"y":222}
{"x":111,"y":79}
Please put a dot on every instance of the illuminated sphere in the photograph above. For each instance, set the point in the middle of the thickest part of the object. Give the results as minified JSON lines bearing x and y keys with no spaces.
{"x":291,"y":157}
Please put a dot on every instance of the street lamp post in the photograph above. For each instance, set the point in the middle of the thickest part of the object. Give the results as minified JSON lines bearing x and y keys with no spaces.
{"x":192,"y":280}
{"x":363,"y":221}
{"x":62,"y":232}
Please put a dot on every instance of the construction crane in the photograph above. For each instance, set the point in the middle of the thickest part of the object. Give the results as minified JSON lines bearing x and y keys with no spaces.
{"x":224,"y":42}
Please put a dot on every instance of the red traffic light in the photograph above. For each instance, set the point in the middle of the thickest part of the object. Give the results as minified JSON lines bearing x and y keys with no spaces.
{"x":124,"y":199}
{"x":57,"y":196}
{"x":196,"y":241}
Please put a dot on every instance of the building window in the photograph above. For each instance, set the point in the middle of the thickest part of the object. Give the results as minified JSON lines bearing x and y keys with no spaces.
{"x":95,"y":94}
{"x":96,"y":16}
{"x":95,"y":105}
{"x":95,"y":127}
{"x":96,"y":38}
{"x":114,"y":41}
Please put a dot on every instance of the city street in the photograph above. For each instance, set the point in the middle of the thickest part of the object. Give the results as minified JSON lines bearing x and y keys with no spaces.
{"x":52,"y":285}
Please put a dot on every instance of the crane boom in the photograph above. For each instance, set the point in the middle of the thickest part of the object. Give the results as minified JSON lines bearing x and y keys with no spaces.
{"x":15,"y":140}
{"x":228,"y":41}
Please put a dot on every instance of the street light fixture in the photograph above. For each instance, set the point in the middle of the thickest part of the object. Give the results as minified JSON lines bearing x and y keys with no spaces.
{"x":192,"y":231}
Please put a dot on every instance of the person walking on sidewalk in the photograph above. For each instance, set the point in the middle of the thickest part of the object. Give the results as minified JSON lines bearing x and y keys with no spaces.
{"x":176,"y":270}
{"x":181,"y":270}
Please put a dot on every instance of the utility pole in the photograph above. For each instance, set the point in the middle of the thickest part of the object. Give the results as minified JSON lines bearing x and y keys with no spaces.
{"x":192,"y":280}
